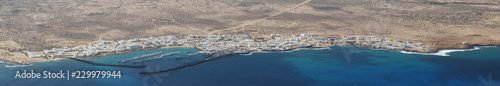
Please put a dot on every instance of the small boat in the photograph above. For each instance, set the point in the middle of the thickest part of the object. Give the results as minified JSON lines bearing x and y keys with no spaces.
{"x":168,"y":54}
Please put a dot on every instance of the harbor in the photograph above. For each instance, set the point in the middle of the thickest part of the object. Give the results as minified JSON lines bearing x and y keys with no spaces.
{"x":155,"y":58}
{"x":140,"y":57}
{"x":187,"y":56}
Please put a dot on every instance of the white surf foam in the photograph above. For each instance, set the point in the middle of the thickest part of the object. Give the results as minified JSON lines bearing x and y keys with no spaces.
{"x":488,"y":46}
{"x":297,"y":49}
{"x":323,"y":48}
{"x":442,"y":52}
{"x":247,"y":54}
{"x":17,"y":65}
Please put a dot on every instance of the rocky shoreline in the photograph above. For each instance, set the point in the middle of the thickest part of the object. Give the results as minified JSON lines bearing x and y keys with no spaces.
{"x":434,"y":51}
{"x":211,"y":44}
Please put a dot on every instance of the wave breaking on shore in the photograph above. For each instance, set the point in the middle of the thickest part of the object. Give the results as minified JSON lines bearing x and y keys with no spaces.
{"x":297,"y":49}
{"x":442,"y":52}
{"x":18,"y":65}
{"x":247,"y":54}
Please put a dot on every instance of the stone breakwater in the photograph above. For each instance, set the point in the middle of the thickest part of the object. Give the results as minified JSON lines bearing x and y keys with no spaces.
{"x":234,"y":44}
{"x":110,"y":65}
{"x":207,"y":59}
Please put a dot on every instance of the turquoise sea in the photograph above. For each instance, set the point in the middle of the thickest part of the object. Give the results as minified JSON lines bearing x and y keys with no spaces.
{"x":337,"y":66}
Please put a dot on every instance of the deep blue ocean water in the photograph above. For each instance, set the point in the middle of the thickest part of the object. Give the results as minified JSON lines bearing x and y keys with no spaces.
{"x":337,"y":66}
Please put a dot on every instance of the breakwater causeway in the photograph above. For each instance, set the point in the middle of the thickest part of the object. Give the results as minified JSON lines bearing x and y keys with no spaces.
{"x":110,"y":65}
{"x":207,"y":59}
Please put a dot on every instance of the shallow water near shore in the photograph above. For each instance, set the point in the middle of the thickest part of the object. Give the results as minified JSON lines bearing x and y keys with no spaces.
{"x":338,"y":66}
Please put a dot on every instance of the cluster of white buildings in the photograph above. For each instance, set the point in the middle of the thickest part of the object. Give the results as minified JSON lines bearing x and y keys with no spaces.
{"x":245,"y":43}
{"x":93,"y":49}
{"x":382,"y":43}
{"x":223,"y":44}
